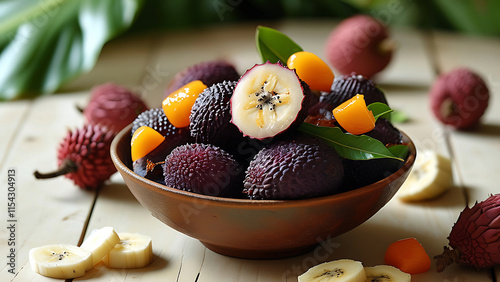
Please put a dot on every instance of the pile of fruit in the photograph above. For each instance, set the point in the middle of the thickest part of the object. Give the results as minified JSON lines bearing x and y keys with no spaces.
{"x":285,"y":129}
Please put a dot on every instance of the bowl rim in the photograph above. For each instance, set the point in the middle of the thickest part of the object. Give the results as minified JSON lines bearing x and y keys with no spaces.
{"x":412,"y":152}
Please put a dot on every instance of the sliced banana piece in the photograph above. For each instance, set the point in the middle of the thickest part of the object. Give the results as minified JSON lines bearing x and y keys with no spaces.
{"x":266,"y":101}
{"x":100,"y":242}
{"x":343,"y":270}
{"x":430,"y":177}
{"x":133,"y":251}
{"x":60,"y":261}
{"x":386,"y":273}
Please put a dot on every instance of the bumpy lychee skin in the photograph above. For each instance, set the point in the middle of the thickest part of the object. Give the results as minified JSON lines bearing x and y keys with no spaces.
{"x":84,"y":157}
{"x":297,"y":169}
{"x":475,"y":237}
{"x":344,"y":88}
{"x":359,"y":44}
{"x":386,"y":133}
{"x":459,"y":98}
{"x":113,"y":106}
{"x":156,"y":119}
{"x":203,"y":169}
{"x":209,"y":72}
{"x":210,"y":119}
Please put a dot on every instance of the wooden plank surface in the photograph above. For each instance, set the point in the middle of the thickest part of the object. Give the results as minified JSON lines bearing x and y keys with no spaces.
{"x":476,"y":151}
{"x":12,"y":115}
{"x":47,"y":211}
{"x":151,"y":62}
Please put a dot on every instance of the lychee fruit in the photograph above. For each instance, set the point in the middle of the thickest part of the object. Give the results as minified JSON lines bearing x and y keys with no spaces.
{"x":210,"y":119}
{"x":296,"y":169}
{"x":209,"y":72}
{"x":113,"y":106}
{"x":84,"y":157}
{"x":344,"y":88}
{"x":359,"y":44}
{"x":154,"y":118}
{"x":386,"y":133}
{"x":459,"y":98}
{"x":268,"y":100}
{"x":474,"y":239}
{"x":203,"y":169}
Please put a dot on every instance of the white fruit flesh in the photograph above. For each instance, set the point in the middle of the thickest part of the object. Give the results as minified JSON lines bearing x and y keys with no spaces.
{"x":60,"y":261}
{"x":266,"y":100}
{"x":100,"y":242}
{"x":386,"y":273}
{"x":335,"y":271}
{"x":430,"y":177}
{"x":133,"y":251}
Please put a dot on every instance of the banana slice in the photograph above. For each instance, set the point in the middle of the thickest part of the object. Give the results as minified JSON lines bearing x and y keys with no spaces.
{"x":386,"y":273}
{"x":267,"y":100}
{"x":343,"y":270}
{"x":431,"y":176}
{"x":133,"y":251}
{"x":100,"y":242}
{"x":60,"y":261}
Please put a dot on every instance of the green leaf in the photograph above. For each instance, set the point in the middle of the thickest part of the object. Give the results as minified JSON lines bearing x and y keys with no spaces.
{"x":274,"y":46}
{"x":398,"y":117}
{"x":43,"y":44}
{"x":400,"y":151}
{"x":379,"y":110}
{"x":354,"y":147}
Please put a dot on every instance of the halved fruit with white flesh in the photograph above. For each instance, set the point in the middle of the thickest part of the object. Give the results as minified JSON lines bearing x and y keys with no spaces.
{"x":133,"y":251}
{"x":345,"y":270}
{"x":386,"y":273}
{"x":60,"y":261}
{"x":268,"y":99}
{"x":430,"y":177}
{"x":100,"y":242}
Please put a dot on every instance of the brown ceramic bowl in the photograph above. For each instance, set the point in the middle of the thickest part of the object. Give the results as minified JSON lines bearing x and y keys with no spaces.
{"x":257,"y":229}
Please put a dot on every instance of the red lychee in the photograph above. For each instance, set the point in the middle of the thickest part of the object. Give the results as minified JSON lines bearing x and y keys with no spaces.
{"x":359,"y":44}
{"x":459,"y":98}
{"x":475,"y":237}
{"x":113,"y":106}
{"x":84,"y":157}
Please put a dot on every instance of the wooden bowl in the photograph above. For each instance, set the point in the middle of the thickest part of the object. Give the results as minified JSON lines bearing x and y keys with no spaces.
{"x":257,"y":229}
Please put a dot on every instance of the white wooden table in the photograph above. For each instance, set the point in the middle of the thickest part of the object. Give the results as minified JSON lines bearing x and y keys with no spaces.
{"x":55,"y":211}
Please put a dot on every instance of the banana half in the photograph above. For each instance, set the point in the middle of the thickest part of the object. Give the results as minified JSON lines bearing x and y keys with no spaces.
{"x":60,"y":261}
{"x":343,"y":270}
{"x":133,"y":251}
{"x":430,"y":177}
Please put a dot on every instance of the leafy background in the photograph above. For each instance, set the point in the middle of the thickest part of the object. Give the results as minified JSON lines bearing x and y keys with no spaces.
{"x":45,"y":43}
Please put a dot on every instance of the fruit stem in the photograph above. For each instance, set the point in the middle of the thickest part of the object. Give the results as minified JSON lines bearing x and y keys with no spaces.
{"x":447,"y":107}
{"x":80,"y":108}
{"x":67,"y":166}
{"x":448,"y":257}
{"x":386,"y":46}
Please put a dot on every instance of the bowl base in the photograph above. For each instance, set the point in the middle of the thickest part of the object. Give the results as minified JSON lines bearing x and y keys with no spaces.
{"x":259,"y":254}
